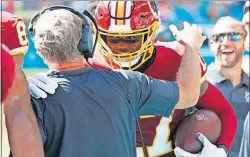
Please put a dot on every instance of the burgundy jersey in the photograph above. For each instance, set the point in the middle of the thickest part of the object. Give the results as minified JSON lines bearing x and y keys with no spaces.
{"x":158,"y":131}
{"x":14,"y":34}
{"x":7,"y":71}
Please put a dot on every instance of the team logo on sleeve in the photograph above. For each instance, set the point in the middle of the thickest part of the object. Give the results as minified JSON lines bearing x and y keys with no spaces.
{"x":247,"y":97}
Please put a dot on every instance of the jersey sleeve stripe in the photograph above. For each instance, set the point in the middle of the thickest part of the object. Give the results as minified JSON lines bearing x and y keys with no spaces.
{"x":19,"y":50}
{"x":203,"y":79}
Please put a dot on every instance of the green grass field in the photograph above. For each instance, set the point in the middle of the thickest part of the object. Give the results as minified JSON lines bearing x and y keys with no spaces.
{"x":32,"y":71}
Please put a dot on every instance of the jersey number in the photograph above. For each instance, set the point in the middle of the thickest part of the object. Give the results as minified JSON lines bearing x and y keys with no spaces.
{"x":20,"y":28}
{"x":161,"y":144}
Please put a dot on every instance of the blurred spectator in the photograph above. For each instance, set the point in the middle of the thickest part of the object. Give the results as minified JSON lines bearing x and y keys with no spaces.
{"x":235,"y":9}
{"x":211,"y":11}
{"x":227,"y":44}
{"x":80,"y":5}
{"x":245,"y":143}
{"x":205,"y":13}
{"x":92,"y":6}
{"x":10,"y":6}
{"x":246,"y":22}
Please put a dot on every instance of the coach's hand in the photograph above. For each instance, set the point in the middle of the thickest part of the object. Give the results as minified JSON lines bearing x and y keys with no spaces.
{"x":40,"y":85}
{"x":191,"y":35}
{"x":208,"y":150}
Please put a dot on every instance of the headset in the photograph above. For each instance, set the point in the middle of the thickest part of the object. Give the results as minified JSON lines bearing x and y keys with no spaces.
{"x":85,"y":46}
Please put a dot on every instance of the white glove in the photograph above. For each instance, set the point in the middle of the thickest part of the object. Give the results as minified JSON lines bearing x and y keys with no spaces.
{"x":209,"y":150}
{"x":191,"y":35}
{"x":40,"y":85}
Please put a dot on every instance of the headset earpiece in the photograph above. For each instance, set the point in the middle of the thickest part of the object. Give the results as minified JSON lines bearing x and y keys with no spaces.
{"x":85,"y":44}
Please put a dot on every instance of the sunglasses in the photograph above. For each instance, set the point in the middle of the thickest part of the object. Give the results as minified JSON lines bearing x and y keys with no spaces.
{"x":233,"y":36}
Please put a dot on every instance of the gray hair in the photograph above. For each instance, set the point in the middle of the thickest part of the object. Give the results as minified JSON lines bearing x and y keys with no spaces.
{"x":57,"y":34}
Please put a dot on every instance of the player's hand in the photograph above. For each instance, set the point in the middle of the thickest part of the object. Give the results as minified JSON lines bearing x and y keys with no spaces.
{"x":208,"y":150}
{"x":191,"y":35}
{"x":40,"y":85}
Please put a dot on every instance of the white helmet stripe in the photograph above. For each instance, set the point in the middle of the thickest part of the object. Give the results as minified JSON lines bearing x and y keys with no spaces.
{"x":120,"y":25}
{"x":113,"y":12}
{"x":128,"y":12}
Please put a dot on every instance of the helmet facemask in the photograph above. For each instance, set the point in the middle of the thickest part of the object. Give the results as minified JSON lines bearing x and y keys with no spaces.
{"x":128,"y":60}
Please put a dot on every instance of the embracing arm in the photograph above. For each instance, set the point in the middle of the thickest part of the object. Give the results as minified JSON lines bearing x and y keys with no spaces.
{"x":213,"y":99}
{"x":24,"y":136}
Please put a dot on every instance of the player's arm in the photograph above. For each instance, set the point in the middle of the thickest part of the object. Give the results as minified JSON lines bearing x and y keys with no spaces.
{"x":23,"y":132}
{"x":214,"y":100}
{"x":19,"y":59}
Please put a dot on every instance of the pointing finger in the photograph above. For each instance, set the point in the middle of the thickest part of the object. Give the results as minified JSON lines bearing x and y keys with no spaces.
{"x":173,"y":29}
{"x":186,"y":24}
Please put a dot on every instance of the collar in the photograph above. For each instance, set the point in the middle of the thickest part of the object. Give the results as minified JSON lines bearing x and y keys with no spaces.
{"x":213,"y":73}
{"x":245,"y":79}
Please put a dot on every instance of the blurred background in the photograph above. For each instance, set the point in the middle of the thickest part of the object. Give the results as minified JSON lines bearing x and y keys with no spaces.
{"x":205,"y":13}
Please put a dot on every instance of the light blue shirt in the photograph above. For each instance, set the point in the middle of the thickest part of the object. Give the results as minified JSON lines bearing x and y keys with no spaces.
{"x":238,"y":97}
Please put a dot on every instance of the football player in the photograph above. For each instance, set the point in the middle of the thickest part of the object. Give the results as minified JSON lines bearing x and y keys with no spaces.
{"x":127,"y":40}
{"x":24,"y":141}
{"x":14,"y":36}
{"x":127,"y":35}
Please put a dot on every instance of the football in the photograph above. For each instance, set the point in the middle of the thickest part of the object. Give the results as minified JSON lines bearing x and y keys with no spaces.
{"x":203,"y":121}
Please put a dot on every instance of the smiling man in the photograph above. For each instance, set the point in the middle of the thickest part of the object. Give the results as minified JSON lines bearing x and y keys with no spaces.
{"x":227,"y":44}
